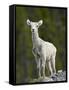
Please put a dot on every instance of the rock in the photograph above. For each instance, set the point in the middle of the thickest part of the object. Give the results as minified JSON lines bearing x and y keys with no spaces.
{"x":60,"y":76}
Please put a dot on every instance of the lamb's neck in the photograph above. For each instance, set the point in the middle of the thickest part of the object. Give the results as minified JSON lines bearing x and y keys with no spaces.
{"x":35,"y":38}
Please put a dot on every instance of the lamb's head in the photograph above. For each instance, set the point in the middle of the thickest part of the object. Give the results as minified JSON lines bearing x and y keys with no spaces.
{"x":34,"y":25}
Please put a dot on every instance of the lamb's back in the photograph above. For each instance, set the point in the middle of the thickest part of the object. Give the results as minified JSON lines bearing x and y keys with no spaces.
{"x":48,"y":47}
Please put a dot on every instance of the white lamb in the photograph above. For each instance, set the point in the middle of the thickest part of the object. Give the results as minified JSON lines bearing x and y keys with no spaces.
{"x":43,"y":51}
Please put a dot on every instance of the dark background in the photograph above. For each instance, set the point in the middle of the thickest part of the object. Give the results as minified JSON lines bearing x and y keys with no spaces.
{"x":52,"y":30}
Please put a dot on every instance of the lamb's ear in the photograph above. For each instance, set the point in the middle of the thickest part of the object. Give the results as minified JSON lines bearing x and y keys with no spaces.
{"x":40,"y":22}
{"x":28,"y":22}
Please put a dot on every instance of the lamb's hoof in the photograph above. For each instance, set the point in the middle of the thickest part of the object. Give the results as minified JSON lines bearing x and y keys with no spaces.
{"x":53,"y":76}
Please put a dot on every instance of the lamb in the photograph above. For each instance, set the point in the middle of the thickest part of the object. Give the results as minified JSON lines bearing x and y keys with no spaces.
{"x":43,"y":51}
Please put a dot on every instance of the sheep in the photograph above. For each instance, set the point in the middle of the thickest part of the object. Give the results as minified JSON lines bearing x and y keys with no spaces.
{"x":43,"y":51}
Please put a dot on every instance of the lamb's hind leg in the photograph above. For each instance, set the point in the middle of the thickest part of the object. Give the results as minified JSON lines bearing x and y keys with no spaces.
{"x":50,"y":67}
{"x":43,"y":70}
{"x":43,"y":66}
{"x":53,"y":64}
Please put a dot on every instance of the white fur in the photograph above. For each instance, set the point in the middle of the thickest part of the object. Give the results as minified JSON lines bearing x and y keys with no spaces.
{"x":43,"y":51}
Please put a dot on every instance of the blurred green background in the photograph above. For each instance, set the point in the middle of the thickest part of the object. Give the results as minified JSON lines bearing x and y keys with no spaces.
{"x":52,"y":30}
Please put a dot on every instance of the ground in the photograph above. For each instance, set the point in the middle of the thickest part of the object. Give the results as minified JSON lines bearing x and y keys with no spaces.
{"x":60,"y":76}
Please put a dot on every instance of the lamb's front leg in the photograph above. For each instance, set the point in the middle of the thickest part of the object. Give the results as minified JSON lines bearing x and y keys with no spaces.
{"x":38,"y":62}
{"x":39,"y":67}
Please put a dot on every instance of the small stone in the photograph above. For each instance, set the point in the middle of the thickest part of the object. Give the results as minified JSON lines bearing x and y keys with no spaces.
{"x":59,"y":71}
